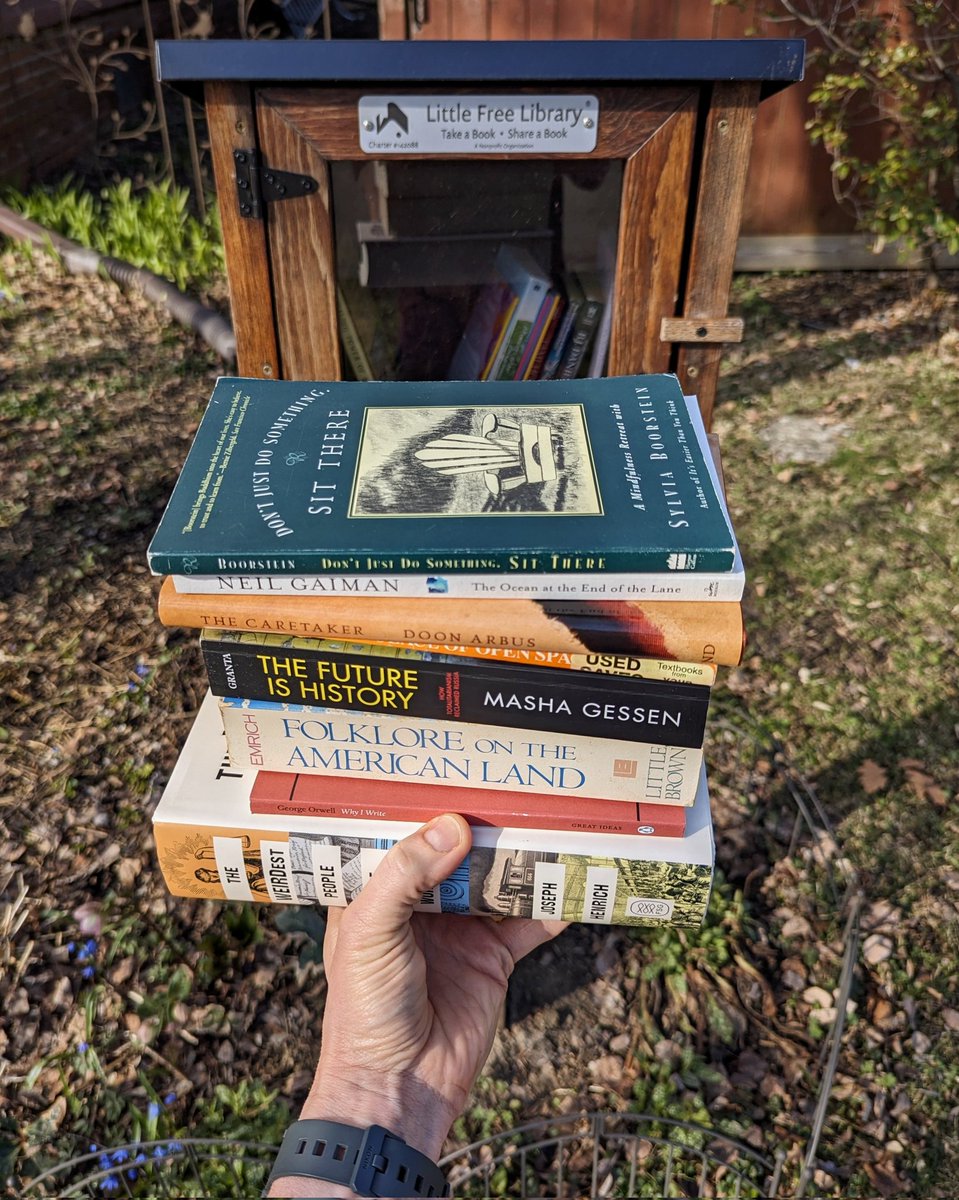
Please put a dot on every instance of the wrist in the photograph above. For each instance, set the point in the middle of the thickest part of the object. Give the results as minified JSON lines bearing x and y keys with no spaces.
{"x":402,"y":1104}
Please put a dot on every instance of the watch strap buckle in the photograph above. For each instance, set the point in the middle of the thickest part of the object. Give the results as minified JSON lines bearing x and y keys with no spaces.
{"x":370,"y":1161}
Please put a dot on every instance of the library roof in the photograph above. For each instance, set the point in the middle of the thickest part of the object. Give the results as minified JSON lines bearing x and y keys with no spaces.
{"x":773,"y":62}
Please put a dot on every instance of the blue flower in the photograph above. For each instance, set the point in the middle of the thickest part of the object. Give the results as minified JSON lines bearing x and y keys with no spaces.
{"x":119,"y":1156}
{"x":153,"y":1110}
{"x":132,"y":1173}
{"x":175,"y":1147}
{"x":169,"y":1098}
{"x":104,"y":1161}
{"x":142,"y":670}
{"x":110,"y":1184}
{"x":131,"y":686}
{"x":88,"y":972}
{"x":93,"y":1147}
{"x":83,"y":1047}
{"x":159,"y":1152}
{"x":71,"y":946}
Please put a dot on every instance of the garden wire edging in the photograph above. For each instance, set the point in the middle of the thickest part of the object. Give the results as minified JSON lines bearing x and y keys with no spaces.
{"x":214,"y":328}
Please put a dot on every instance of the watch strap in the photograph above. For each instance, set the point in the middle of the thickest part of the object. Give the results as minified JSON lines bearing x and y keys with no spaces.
{"x":372,"y":1162}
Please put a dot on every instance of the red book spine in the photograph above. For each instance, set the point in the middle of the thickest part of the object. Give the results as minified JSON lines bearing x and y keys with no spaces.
{"x":360,"y":799}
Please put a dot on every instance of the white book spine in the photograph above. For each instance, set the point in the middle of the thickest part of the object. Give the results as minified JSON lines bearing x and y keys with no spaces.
{"x":674,"y":585}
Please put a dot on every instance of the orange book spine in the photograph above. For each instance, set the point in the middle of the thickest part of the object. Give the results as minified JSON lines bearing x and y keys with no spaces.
{"x":695,"y":631}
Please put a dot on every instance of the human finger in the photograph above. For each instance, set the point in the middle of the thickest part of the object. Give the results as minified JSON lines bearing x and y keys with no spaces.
{"x":522,"y":935}
{"x":413,"y":866}
{"x":333,"y":918}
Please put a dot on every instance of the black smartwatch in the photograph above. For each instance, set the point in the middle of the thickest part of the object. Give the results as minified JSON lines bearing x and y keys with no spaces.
{"x":373,"y":1161}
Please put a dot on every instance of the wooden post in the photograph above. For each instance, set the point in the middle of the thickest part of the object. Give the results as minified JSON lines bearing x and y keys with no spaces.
{"x":719,"y":207}
{"x":652,"y":208}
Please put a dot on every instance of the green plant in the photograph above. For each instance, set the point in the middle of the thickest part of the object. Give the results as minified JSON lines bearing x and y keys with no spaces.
{"x":150,"y":227}
{"x":893,"y":69}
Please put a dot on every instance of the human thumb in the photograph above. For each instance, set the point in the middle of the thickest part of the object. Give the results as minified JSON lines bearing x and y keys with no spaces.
{"x":413,"y":866}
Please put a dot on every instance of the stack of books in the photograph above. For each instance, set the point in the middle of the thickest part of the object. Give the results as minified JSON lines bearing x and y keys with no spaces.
{"x":507,"y":601}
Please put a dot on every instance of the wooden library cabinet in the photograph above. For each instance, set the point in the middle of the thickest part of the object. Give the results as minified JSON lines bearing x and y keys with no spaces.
{"x":367,"y":188}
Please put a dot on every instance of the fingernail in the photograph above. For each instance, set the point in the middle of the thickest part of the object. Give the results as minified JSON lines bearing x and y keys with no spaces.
{"x":443,"y":834}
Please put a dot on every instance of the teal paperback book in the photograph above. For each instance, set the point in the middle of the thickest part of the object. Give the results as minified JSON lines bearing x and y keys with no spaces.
{"x":556,"y":476}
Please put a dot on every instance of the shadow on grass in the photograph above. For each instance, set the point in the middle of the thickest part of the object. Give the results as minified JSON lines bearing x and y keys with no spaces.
{"x":889,"y":300}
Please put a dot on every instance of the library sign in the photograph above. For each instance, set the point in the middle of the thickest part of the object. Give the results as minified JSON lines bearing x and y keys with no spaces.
{"x":476,"y":124}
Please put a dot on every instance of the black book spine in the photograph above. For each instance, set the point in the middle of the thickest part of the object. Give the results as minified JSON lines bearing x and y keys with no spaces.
{"x":518,"y":697}
{"x":581,"y":339}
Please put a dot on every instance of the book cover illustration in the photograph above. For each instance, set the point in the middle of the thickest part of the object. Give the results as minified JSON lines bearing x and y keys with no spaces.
{"x":441,"y":477}
{"x":262,"y":666}
{"x":584,"y":585}
{"x":474,"y":460}
{"x":210,"y":846}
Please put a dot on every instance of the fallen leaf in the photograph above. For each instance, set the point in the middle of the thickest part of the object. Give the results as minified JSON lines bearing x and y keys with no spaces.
{"x":921,"y":1043}
{"x":950,"y":1019}
{"x":87,"y":917}
{"x":884,"y":1180}
{"x":796,"y":927}
{"x":876,"y":948}
{"x":872,"y":777}
{"x":127,"y":871}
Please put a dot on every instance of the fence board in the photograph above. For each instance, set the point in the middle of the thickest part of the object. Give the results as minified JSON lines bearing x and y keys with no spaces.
{"x":471,"y":21}
{"x":614,"y":18}
{"x":576,"y":21}
{"x":542,"y":19}
{"x":508,"y":21}
{"x":392,"y":15}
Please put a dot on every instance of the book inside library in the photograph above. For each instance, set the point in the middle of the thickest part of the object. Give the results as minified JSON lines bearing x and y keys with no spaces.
{"x":497,"y":269}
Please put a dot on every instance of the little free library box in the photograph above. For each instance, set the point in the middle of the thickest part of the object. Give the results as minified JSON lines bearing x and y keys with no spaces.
{"x":367,"y":191}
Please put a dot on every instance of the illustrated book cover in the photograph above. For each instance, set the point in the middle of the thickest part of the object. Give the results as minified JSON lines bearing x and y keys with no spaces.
{"x":382,"y":477}
{"x":210,"y":846}
{"x":570,"y":585}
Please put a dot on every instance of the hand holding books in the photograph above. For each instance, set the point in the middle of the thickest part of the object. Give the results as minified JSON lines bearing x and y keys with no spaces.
{"x":412,"y":1003}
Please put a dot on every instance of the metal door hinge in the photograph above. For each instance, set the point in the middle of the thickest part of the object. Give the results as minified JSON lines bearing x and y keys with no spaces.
{"x":257,"y":185}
